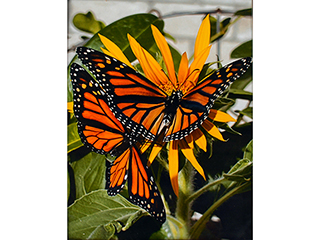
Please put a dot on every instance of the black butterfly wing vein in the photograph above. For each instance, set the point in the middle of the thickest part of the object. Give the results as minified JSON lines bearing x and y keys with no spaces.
{"x":143,"y":107}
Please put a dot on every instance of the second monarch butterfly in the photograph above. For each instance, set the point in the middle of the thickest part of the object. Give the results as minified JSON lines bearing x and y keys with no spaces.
{"x":147,"y":109}
{"x":103,"y":133}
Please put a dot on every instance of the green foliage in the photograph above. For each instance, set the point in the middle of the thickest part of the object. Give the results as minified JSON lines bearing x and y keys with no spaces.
{"x":223,"y":26}
{"x":248,"y":152}
{"x":89,"y":173}
{"x":206,"y":70}
{"x":87,"y":23}
{"x":74,"y":140}
{"x":246,"y":112}
{"x":244,"y":12}
{"x":239,"y":93}
{"x":171,"y":229}
{"x":244,"y":50}
{"x":98,"y":216}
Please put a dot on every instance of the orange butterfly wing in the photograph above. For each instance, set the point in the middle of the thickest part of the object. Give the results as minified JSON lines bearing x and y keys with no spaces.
{"x":98,"y":127}
{"x":143,"y":107}
{"x":136,"y":101}
{"x":103,"y":133}
{"x":141,"y":186}
{"x":195,"y":105}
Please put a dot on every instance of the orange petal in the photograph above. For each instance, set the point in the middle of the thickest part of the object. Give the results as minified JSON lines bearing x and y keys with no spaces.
{"x":114,"y":50}
{"x":173,"y":159}
{"x":150,"y":66}
{"x":200,"y":139}
{"x":183,"y":69}
{"x":212,"y":130}
{"x":219,"y":116}
{"x":188,"y":153}
{"x":189,"y":140}
{"x":154,"y":152}
{"x":203,"y":37}
{"x":197,"y":65}
{"x":166,"y":53}
{"x":105,"y":51}
{"x":145,"y":146}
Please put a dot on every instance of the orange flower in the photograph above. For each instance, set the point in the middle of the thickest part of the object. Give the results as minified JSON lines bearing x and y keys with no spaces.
{"x":186,"y":78}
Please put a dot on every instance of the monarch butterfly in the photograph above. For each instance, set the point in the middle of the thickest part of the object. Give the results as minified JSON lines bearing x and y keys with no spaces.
{"x":103,"y":133}
{"x":147,"y":109}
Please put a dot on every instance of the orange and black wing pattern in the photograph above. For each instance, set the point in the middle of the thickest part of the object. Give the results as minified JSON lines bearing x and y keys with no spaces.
{"x":145,"y":108}
{"x":195,"y":104}
{"x":103,"y":133}
{"x":98,"y":128}
{"x":141,"y":186}
{"x":136,"y":101}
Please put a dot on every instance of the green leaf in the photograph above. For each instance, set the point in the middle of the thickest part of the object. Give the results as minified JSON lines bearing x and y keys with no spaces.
{"x":242,"y":163}
{"x":242,"y":167}
{"x":240,"y":177}
{"x":71,"y":118}
{"x":98,"y":214}
{"x":236,"y":178}
{"x":224,"y":24}
{"x":207,"y":70}
{"x":223,"y":103}
{"x":74,"y":140}
{"x":103,"y":232}
{"x":244,"y":50}
{"x":138,"y":26}
{"x":171,"y":229}
{"x":244,"y":12}
{"x":68,"y":186}
{"x":248,"y":152}
{"x":239,"y":93}
{"x":240,"y":172}
{"x":87,"y":23}
{"x":246,"y":112}
{"x":226,"y":127}
{"x":89,"y":173}
{"x":167,"y":35}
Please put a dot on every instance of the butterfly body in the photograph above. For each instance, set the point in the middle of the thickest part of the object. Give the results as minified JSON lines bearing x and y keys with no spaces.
{"x":103,"y":133}
{"x":147,"y":109}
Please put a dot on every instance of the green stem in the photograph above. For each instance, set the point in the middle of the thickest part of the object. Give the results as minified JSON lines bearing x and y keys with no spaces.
{"x":223,"y":30}
{"x":183,"y":211}
{"x":201,"y":223}
{"x":205,"y":188}
{"x":238,"y":120}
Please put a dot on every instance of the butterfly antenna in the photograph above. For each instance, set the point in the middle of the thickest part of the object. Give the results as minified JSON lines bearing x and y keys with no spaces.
{"x":189,"y":75}
{"x":169,"y":79}
{"x":178,"y":85}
